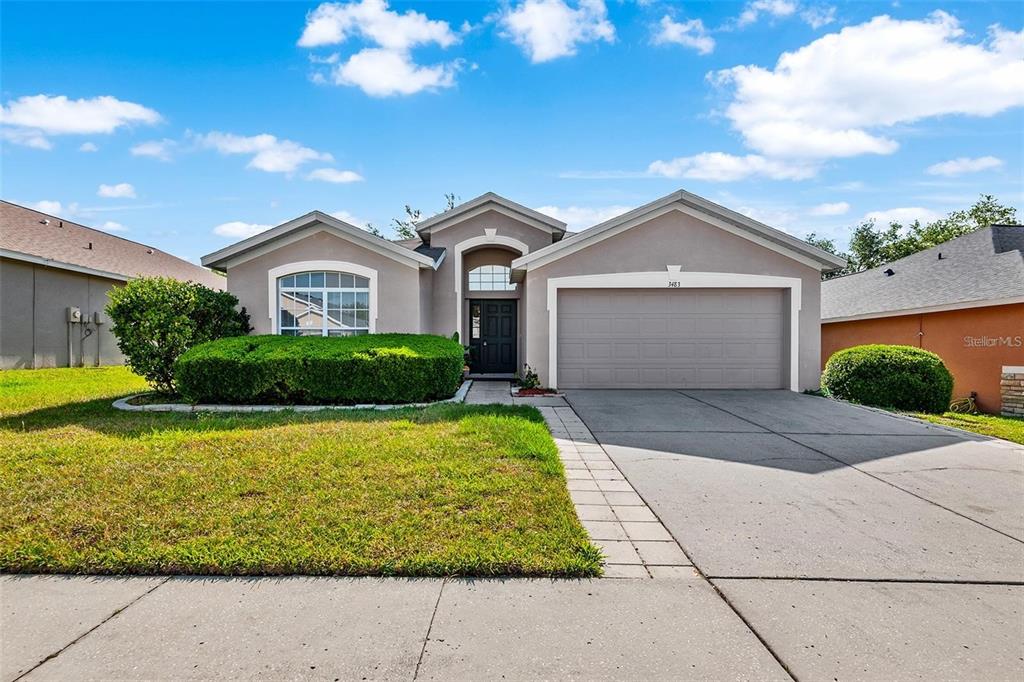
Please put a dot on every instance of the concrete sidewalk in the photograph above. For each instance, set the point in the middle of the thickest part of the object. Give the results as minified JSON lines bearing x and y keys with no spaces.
{"x":56,"y":627}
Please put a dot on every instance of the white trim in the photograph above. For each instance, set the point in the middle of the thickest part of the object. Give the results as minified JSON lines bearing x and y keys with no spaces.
{"x":962,"y":305}
{"x":1013,"y":369}
{"x":685,"y":280}
{"x":293,"y":230}
{"x":698,"y":207}
{"x":327,"y":265}
{"x":491,"y":238}
{"x":490,"y":202}
{"x":61,"y":265}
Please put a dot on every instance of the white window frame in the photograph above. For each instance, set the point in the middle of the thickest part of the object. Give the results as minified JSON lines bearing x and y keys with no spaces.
{"x":672,"y":278}
{"x":274,"y":274}
{"x":508,"y":286}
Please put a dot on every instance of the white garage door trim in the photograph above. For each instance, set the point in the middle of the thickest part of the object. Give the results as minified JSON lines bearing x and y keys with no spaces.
{"x":674,"y":278}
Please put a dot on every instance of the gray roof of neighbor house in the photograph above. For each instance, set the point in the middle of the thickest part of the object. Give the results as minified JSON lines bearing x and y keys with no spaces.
{"x":29,"y":235}
{"x":980,"y":268}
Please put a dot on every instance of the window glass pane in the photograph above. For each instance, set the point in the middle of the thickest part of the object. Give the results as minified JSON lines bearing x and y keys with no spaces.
{"x":288,"y":281}
{"x":362,"y":318}
{"x":315,"y":303}
{"x":362,"y":283}
{"x":302,"y":280}
{"x":346,"y":281}
{"x":348,"y":300}
{"x":348,"y":318}
{"x":316,"y":279}
{"x":490,"y":278}
{"x":331,"y":280}
{"x":363,"y":300}
{"x":333,"y":299}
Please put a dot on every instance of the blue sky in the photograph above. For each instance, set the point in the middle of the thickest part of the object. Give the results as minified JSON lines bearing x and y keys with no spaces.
{"x":189,"y":125}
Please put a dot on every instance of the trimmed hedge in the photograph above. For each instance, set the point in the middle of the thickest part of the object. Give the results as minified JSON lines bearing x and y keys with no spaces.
{"x":374,"y":368}
{"x":897,"y":377}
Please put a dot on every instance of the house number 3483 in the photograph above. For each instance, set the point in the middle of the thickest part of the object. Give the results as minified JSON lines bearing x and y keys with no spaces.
{"x":674,"y":285}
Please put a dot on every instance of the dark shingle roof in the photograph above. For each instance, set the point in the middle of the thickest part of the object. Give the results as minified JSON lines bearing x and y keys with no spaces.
{"x":60,"y":243}
{"x":985,"y":265}
{"x":416,"y":244}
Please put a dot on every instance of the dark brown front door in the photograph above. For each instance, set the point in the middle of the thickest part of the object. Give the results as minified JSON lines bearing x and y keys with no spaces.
{"x":493,"y":336}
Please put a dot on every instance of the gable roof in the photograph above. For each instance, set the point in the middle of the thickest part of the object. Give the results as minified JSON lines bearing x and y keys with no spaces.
{"x":985,"y":267}
{"x":486,"y":202}
{"x":258,"y":244}
{"x":35,"y":237}
{"x":692,"y":204}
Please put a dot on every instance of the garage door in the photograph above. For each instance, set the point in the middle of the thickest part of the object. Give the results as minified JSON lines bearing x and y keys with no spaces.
{"x":684,"y":338}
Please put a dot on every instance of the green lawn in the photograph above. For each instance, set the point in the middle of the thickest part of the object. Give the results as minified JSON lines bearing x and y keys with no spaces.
{"x":1007,"y":428}
{"x":447,"y":490}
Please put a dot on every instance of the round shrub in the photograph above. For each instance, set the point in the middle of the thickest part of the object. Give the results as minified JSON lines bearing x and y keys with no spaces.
{"x":156,"y":319}
{"x":296,"y":370}
{"x":897,"y":377}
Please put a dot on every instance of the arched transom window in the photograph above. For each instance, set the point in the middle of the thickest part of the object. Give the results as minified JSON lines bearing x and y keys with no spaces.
{"x":323,"y":304}
{"x":490,"y":278}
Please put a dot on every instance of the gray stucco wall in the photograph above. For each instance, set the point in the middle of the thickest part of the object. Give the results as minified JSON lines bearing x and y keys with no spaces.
{"x":677,"y":239}
{"x":33,"y":308}
{"x":443,"y":298}
{"x":398,"y":295}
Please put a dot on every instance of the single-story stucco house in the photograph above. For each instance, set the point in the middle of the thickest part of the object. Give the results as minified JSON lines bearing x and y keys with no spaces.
{"x":963,"y":300}
{"x":680,"y":292}
{"x":51,"y":267}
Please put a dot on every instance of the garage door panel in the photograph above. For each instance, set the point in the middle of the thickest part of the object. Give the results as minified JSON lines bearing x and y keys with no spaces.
{"x":704,"y":338}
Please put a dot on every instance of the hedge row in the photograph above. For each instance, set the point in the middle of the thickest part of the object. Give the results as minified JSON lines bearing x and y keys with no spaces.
{"x":899,"y":377}
{"x":374,"y":368}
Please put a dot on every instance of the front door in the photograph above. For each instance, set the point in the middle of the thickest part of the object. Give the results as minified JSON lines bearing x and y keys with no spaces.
{"x":492,"y":336}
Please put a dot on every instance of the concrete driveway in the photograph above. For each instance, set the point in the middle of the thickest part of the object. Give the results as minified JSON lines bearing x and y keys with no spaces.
{"x":854,"y":543}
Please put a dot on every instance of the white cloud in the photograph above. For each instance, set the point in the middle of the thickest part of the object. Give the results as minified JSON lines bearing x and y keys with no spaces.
{"x":963,"y":165}
{"x":689,"y":33}
{"x":157,"y":149}
{"x":88,"y":147}
{"x":816,"y":17}
{"x":850,"y":186}
{"x":578,"y":218}
{"x":549,"y":29}
{"x":332,"y":23}
{"x":903,"y":216}
{"x":835,"y":208}
{"x":268,"y":153}
{"x":349,"y":218}
{"x":111,"y":226}
{"x":835,"y":96}
{"x":775,"y":8}
{"x":721,"y":167}
{"x":387,"y":69}
{"x":236,"y":229}
{"x":29,"y":120}
{"x":776,"y":217}
{"x":47,"y":206}
{"x":334,"y":175}
{"x":384,"y":73}
{"x":121,"y":190}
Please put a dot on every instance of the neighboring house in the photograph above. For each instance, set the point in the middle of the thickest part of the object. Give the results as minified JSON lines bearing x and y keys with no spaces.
{"x":963,"y":300}
{"x":678,"y":293}
{"x":49,"y":265}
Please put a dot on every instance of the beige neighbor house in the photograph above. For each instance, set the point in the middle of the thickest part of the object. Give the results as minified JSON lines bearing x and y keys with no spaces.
{"x":678,"y":293}
{"x":54,"y":279}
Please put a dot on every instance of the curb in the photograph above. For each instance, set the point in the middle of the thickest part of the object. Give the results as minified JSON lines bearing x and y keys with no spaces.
{"x":123,"y":404}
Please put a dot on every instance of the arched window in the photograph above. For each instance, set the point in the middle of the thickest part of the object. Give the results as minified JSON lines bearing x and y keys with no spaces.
{"x":323,"y":304}
{"x":490,"y":278}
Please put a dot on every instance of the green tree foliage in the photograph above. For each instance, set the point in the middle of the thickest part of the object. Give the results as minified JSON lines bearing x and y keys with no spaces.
{"x":872,"y":246}
{"x":156,"y":319}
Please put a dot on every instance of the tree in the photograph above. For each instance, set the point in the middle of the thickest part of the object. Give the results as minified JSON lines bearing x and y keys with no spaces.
{"x":825,"y":244}
{"x":871,"y":247}
{"x":156,"y":319}
{"x":406,"y":228}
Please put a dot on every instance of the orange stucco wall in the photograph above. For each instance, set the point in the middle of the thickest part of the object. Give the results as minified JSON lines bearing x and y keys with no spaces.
{"x":974,"y":343}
